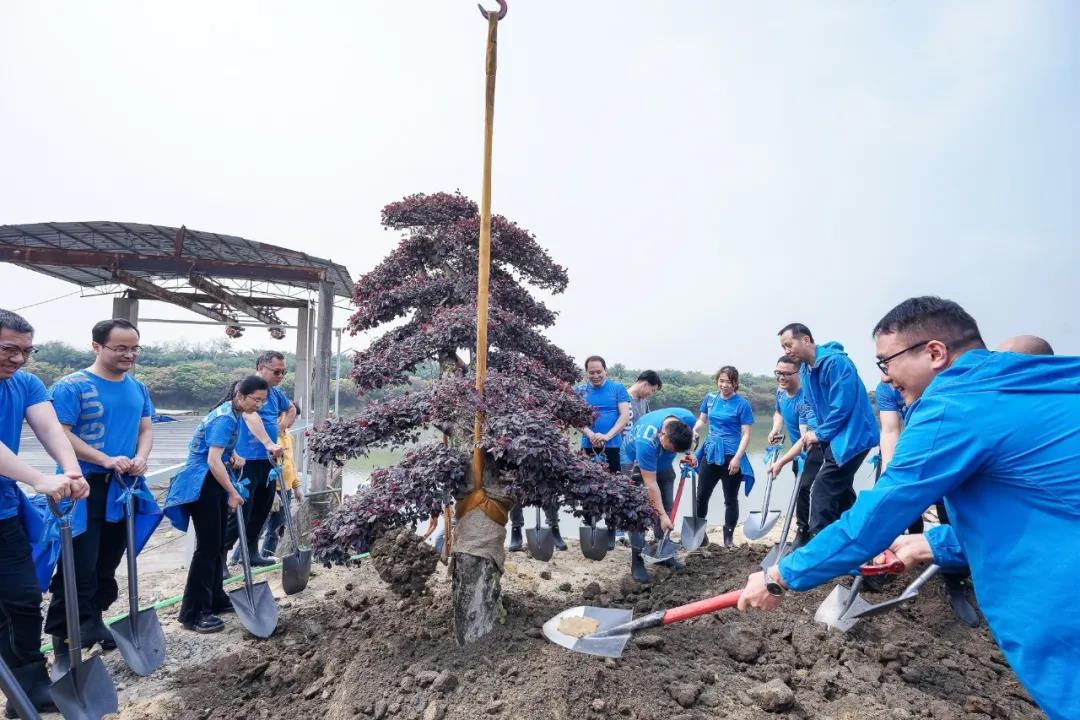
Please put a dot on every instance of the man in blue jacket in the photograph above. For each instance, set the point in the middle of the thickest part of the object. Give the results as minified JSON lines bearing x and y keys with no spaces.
{"x":995,"y":434}
{"x":846,"y":427}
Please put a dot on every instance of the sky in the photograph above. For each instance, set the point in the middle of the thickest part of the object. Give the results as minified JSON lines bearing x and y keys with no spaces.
{"x":707,"y":171}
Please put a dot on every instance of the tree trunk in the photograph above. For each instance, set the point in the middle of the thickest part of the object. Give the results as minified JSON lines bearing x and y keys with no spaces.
{"x":477,"y":597}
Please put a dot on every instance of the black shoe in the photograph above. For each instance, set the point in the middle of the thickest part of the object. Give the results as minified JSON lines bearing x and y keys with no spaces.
{"x":955,"y":588}
{"x":801,"y":538}
{"x":610,"y":539}
{"x":637,"y":568}
{"x":260,"y":561}
{"x":34,"y":680}
{"x":206,"y":624}
{"x":95,"y":631}
{"x":560,"y":544}
{"x":729,"y":537}
{"x":515,"y":540}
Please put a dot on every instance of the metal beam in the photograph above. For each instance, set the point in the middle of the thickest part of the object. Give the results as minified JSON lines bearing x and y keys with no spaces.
{"x":169,"y":296}
{"x":224,"y":295}
{"x":268,"y":302}
{"x":163,"y":265}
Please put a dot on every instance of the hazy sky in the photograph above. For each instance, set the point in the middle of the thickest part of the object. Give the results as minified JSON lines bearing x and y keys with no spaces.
{"x":707,"y":171}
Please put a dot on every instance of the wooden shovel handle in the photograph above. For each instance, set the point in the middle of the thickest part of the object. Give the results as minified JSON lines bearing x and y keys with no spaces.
{"x":702,"y":607}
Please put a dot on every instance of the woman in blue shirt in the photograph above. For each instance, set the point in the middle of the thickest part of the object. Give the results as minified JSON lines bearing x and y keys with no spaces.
{"x":203,"y":492}
{"x":728,"y":417}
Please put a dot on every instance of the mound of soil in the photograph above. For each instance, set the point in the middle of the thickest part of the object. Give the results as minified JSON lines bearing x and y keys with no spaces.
{"x":404,"y":561}
{"x":365,"y":654}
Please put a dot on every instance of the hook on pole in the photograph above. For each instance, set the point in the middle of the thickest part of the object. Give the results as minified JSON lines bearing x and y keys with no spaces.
{"x":502,"y":9}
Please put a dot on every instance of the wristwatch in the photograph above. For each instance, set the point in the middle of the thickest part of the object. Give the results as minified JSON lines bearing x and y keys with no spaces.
{"x":774,"y":587}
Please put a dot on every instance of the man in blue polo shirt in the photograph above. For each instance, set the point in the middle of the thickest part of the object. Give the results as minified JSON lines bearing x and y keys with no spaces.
{"x":23,"y":397}
{"x":257,"y":445}
{"x":1013,"y":496}
{"x":106,"y":413}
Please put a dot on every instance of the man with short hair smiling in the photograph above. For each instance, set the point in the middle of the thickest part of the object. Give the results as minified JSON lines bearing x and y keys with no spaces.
{"x":995,"y":435}
{"x":793,"y":412}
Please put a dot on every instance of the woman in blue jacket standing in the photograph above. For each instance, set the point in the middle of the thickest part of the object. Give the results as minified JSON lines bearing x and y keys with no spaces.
{"x":728,"y":416}
{"x":203,"y":492}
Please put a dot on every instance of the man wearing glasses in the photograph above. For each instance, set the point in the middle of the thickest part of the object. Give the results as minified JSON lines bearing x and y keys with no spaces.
{"x":995,"y":435}
{"x":258,"y":446}
{"x":106,"y":414}
{"x":23,"y":397}
{"x":847,"y":429}
{"x":793,"y":412}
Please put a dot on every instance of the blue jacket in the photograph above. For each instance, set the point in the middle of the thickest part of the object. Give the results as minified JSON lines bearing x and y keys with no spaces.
{"x":996,"y":436}
{"x":845,"y":419}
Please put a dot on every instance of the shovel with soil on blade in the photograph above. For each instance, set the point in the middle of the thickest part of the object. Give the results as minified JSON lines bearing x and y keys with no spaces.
{"x":692,"y":533}
{"x":296,"y":566}
{"x":840,"y":610}
{"x":666,"y":548}
{"x":254,"y":602}
{"x":605,"y":631}
{"x":759,"y":523}
{"x":85,"y":691}
{"x":138,"y":636}
{"x":541,"y":543}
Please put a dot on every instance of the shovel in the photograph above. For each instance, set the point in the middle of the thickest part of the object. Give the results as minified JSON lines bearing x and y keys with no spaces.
{"x":614,"y":627}
{"x":16,"y":696}
{"x":296,"y":566}
{"x":692,"y":534}
{"x":840,"y":609}
{"x":910,"y":593}
{"x":778,"y":551}
{"x":593,"y":541}
{"x":254,"y":603}
{"x":759,"y":523}
{"x":666,"y":548}
{"x":541,"y":542}
{"x":139,"y":635}
{"x":85,"y":691}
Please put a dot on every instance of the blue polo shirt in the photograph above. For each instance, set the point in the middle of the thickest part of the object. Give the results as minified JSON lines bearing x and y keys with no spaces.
{"x":605,"y":401}
{"x":889,"y":399}
{"x":248,"y":446}
{"x":646,"y":450}
{"x":17,"y":393}
{"x":791,"y":407}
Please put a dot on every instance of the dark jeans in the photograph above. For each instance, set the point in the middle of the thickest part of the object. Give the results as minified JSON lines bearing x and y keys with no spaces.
{"x":665,"y":479}
{"x":831,"y":493}
{"x":275,"y":524}
{"x":814,"y":458}
{"x":20,"y":598}
{"x":610,"y":454}
{"x":204,"y":592}
{"x":517,"y":516}
{"x":256,"y":507}
{"x":711,"y":475}
{"x":97,"y":554}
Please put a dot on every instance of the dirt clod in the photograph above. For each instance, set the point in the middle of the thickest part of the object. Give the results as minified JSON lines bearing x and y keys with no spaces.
{"x":773,"y":696}
{"x":404,"y":561}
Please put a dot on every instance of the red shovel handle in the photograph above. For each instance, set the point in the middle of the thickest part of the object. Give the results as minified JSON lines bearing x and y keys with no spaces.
{"x":678,"y":497}
{"x":702,"y":607}
{"x":892,"y":566}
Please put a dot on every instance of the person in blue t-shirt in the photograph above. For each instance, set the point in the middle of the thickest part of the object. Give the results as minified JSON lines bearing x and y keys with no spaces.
{"x":203,"y":493}
{"x":995,"y":435}
{"x":106,"y":413}
{"x":258,"y":445}
{"x":729,"y":417}
{"x":658,"y":436}
{"x":846,"y":427}
{"x":23,"y":398}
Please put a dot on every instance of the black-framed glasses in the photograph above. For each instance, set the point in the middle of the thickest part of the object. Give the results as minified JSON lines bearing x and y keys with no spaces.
{"x":778,"y":374}
{"x":10,"y":351}
{"x":883,"y":363}
{"x":124,"y":349}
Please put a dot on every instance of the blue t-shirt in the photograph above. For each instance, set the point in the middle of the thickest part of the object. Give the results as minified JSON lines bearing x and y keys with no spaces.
{"x":792,"y":408}
{"x":105,"y":414}
{"x":646,"y":450}
{"x":248,"y":446}
{"x":726,"y":418}
{"x":889,"y":399}
{"x":604,"y":400}
{"x":17,"y":393}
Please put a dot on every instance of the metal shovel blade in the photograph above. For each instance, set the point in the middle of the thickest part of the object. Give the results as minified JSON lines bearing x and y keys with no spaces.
{"x":692,"y":533}
{"x":606,"y":617}
{"x":541,"y":543}
{"x":295,"y":571}
{"x":758,"y":525}
{"x":661,"y":551}
{"x":85,"y":692}
{"x":257,"y":611}
{"x":838,"y":608}
{"x":910,"y":593}
{"x":141,"y":641}
{"x":774,"y":556}
{"x":594,"y":542}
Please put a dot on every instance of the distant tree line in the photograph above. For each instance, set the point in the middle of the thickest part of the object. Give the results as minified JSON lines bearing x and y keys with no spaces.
{"x":687,"y":388}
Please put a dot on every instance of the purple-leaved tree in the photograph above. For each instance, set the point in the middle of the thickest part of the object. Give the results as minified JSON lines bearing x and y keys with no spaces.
{"x":528,"y":403}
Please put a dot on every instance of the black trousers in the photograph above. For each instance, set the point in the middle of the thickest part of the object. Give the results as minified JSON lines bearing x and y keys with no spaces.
{"x":710,"y":476}
{"x":20,"y":598}
{"x":665,"y":479}
{"x":832,"y":492}
{"x":610,"y":454}
{"x":814,"y":458}
{"x":204,"y":592}
{"x":256,"y":508}
{"x":97,"y":554}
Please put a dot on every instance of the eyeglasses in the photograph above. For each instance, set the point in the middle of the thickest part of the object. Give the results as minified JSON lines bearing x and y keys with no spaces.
{"x":124,"y":349}
{"x":781,"y":374}
{"x":278,"y":373}
{"x":883,"y":363}
{"x":10,"y":351}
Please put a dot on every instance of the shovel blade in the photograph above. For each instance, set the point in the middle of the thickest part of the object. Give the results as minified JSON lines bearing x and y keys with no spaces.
{"x":85,"y":692}
{"x":141,"y":641}
{"x":602,"y":646}
{"x":773,"y":556}
{"x":758,"y":525}
{"x":540,"y":543}
{"x":593,"y":542}
{"x":259,"y":613}
{"x":660,"y":552}
{"x":692,"y":533}
{"x":880,"y":608}
{"x":295,"y":571}
{"x":832,"y":611}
